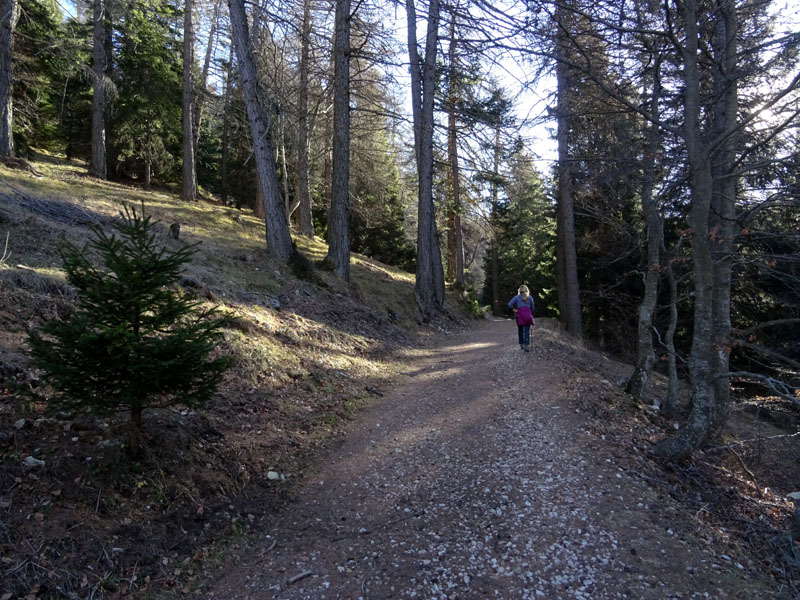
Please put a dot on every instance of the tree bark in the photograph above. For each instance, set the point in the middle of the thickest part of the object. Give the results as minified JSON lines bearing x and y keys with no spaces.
{"x":339,"y":213}
{"x":671,"y":401}
{"x":497,"y":305}
{"x":655,"y":240}
{"x":455,"y":243}
{"x":695,"y":431}
{"x":305,"y":221}
{"x":112,"y":158}
{"x":258,"y":208}
{"x":226,"y":135}
{"x":189,"y":190}
{"x":9,"y":12}
{"x":279,"y":240}
{"x":566,"y":254}
{"x":285,"y":173}
{"x":429,"y":286}
{"x":98,"y":166}
{"x":723,"y":223}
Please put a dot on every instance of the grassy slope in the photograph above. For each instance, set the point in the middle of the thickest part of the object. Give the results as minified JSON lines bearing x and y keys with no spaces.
{"x":91,"y":522}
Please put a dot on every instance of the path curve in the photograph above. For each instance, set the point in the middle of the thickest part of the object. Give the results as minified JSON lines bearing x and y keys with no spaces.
{"x":476,"y":478}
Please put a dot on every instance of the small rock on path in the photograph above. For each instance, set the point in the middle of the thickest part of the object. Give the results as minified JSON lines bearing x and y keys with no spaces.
{"x":475,"y":478}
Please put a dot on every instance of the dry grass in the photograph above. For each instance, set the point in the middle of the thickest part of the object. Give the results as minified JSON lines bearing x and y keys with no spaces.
{"x":307,"y":355}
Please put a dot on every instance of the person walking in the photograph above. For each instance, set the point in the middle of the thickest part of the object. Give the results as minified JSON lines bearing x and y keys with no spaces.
{"x":522,"y":305}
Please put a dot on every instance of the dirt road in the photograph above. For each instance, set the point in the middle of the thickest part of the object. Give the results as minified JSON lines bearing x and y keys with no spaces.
{"x":476,"y":477}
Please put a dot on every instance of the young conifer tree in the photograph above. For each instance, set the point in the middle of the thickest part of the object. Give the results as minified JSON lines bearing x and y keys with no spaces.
{"x":133,"y":341}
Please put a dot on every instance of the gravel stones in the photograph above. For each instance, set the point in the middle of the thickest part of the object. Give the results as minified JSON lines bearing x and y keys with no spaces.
{"x":477,"y":478}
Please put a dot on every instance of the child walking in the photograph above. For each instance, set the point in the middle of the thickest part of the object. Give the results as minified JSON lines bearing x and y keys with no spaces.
{"x":522,"y":305}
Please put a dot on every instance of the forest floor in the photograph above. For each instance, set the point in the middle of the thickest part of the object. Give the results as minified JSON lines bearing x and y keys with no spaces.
{"x":489,"y":473}
{"x":351,"y":449}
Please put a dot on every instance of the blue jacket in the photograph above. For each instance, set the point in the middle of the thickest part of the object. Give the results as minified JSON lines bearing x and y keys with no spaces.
{"x":517,"y":300}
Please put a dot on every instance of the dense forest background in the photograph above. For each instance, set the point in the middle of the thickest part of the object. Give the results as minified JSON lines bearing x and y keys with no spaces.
{"x":667,"y":231}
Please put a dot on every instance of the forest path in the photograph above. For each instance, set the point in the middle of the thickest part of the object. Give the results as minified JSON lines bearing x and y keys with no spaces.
{"x":477,"y":477}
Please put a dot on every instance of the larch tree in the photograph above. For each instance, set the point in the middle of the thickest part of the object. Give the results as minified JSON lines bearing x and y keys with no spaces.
{"x":700,"y":364}
{"x":339,"y":213}
{"x":429,"y":285}
{"x":724,"y":227}
{"x":9,"y":12}
{"x":655,"y":241}
{"x":225,"y":141}
{"x":302,"y":185}
{"x":279,"y":240}
{"x":654,"y":231}
{"x":497,"y":230}
{"x":189,"y":188}
{"x":98,"y":163}
{"x":455,"y":242}
{"x":566,"y":254}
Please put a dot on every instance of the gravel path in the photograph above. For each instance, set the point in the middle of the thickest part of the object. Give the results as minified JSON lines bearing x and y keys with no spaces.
{"x":475,"y":478}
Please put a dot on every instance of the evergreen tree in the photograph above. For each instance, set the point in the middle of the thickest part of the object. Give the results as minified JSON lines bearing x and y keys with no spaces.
{"x":133,"y":341}
{"x":38,"y":59}
{"x":147,"y":113}
{"x":75,"y":86}
{"x":524,"y":243}
{"x":377,"y":211}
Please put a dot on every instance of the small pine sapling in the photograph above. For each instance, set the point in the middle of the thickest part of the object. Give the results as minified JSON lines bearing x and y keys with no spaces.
{"x":134,"y":341}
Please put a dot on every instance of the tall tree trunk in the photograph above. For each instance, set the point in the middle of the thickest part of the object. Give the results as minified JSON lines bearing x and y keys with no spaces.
{"x":112,"y":156}
{"x":258,"y":207}
{"x":671,"y":401}
{"x":724,"y":227}
{"x":455,"y":244}
{"x":689,"y":437}
{"x":497,"y":305}
{"x":566,"y":254}
{"x":98,"y":161}
{"x":201,"y":97}
{"x":655,"y":240}
{"x":285,"y":173}
{"x":305,"y":221}
{"x":429,"y":287}
{"x":9,"y":12}
{"x":339,"y":213}
{"x":279,"y":240}
{"x":189,"y":176}
{"x":226,"y":135}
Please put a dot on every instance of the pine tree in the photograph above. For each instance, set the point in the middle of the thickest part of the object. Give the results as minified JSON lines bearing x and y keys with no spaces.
{"x":133,"y":341}
{"x":146,"y":123}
